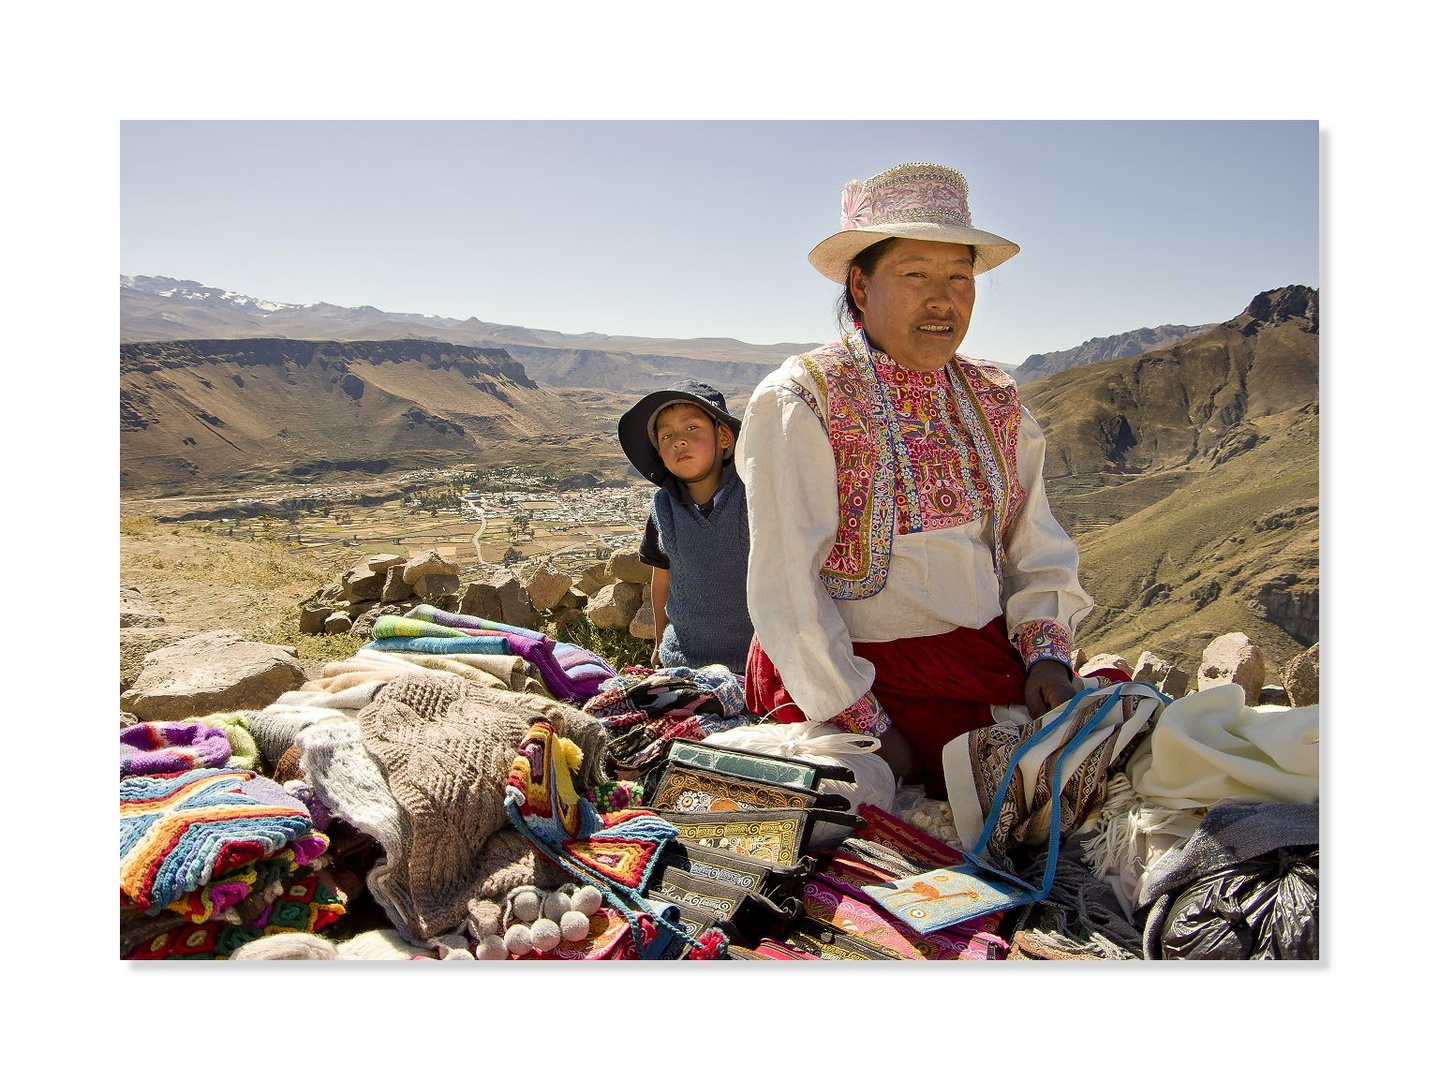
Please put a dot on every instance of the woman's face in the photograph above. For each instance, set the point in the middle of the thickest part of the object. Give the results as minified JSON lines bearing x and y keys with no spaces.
{"x":917,"y":303}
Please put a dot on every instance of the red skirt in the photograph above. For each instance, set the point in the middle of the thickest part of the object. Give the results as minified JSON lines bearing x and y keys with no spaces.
{"x":934,"y":688}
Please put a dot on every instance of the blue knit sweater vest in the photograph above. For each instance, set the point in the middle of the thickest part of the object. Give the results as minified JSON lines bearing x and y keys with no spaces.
{"x":709,"y":560}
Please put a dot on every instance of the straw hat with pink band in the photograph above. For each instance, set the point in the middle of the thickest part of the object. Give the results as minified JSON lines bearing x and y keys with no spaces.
{"x":917,"y":201}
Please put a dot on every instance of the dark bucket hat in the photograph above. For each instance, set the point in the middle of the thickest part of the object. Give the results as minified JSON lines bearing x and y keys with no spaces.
{"x":637,"y":426}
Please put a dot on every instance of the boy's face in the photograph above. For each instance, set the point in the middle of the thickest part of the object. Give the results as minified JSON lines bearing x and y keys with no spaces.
{"x":691,"y":442}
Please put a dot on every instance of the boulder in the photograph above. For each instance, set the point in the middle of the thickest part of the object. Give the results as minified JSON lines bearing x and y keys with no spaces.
{"x":594,"y":578}
{"x":574,"y":600}
{"x":1161,"y":673}
{"x":1301,"y":677}
{"x":615,"y":606}
{"x":642,"y":626}
{"x":209,"y":672}
{"x":1106,"y":660}
{"x":432,"y":586}
{"x":135,"y":610}
{"x":313,"y":616}
{"x":515,"y":606}
{"x":396,"y":588}
{"x":626,"y":566}
{"x":339,"y":622}
{"x":138,"y":642}
{"x":379,"y":564}
{"x":1233,"y":658}
{"x":482,"y":600}
{"x":546,"y":587}
{"x":428,"y":563}
{"x":362,"y":583}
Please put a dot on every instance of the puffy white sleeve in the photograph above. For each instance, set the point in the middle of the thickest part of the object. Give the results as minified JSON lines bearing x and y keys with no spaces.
{"x":784,"y":457}
{"x":1043,"y":600}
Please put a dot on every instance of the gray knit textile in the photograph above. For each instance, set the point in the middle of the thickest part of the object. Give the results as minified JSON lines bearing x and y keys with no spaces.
{"x":423,"y":772}
{"x":708,"y":612}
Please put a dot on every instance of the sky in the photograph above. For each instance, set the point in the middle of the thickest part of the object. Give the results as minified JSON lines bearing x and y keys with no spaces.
{"x":700,"y":228}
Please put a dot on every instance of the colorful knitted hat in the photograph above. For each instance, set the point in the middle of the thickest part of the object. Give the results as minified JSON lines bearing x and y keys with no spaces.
{"x":917,"y":201}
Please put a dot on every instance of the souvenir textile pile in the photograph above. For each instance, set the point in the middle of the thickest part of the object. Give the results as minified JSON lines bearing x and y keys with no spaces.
{"x":211,"y":857}
{"x":616,"y":852}
{"x":422,"y":770}
{"x":646,"y":710}
{"x":569,"y":672}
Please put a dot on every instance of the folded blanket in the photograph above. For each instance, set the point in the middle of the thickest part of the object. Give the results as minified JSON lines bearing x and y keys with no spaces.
{"x":179,"y":830}
{"x":570,"y":672}
{"x":1210,"y":748}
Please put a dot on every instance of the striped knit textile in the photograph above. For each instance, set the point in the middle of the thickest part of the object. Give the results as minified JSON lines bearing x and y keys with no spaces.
{"x":570,"y":672}
{"x":179,"y":831}
{"x":171,"y":747}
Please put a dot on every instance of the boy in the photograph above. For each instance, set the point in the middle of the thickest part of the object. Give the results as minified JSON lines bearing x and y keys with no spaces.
{"x":697,"y":536}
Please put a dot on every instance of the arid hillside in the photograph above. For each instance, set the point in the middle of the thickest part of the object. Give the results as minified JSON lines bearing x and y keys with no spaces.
{"x":1190,"y":479}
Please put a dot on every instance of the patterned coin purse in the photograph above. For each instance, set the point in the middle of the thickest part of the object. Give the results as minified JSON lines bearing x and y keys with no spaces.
{"x":780,"y":837}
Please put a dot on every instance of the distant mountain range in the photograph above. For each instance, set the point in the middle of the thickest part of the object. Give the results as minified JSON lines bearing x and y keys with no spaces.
{"x":1098,"y":350}
{"x":166,"y":309}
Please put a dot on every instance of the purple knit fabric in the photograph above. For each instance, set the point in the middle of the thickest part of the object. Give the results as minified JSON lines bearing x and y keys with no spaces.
{"x":169,"y":746}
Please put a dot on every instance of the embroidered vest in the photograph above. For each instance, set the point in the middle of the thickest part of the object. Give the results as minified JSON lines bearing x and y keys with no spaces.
{"x":910,"y":474}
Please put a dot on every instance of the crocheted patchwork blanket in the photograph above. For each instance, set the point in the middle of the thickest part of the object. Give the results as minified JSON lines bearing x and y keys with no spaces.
{"x":179,"y":831}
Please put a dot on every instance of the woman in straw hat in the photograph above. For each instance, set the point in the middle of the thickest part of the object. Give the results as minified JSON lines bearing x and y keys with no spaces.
{"x":907,"y":480}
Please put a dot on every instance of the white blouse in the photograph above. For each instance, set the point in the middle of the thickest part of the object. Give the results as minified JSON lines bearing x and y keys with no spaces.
{"x":938,"y":579}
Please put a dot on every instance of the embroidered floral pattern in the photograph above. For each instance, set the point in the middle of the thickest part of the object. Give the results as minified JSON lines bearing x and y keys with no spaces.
{"x":865,"y":717}
{"x":1043,"y":639}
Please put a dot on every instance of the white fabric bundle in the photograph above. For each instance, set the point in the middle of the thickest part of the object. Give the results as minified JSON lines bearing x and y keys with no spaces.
{"x":1210,"y":748}
{"x":822,"y":744}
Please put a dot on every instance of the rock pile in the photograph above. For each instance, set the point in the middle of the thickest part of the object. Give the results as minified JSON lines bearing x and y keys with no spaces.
{"x":614,"y":594}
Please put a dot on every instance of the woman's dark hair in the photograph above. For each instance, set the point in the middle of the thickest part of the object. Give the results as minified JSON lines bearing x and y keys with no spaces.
{"x":845,"y":309}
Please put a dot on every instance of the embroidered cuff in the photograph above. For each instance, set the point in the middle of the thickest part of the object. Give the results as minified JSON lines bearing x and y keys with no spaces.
{"x":1043,"y":639}
{"x":865,"y":717}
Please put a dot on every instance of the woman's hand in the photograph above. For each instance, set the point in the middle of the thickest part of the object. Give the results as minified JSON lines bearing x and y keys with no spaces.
{"x":1047,"y":685}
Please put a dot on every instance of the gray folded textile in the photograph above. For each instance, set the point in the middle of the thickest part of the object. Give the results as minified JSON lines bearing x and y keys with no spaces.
{"x":1232,"y":834}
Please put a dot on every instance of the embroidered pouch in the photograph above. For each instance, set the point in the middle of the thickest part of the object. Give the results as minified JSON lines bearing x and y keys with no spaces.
{"x":694,"y":790}
{"x":747,"y":763}
{"x":828,"y":943}
{"x":775,"y":836}
{"x":849,"y":910}
{"x":743,"y":916}
{"x":740,"y":871}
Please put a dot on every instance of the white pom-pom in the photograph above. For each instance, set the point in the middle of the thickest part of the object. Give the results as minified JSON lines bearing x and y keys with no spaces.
{"x":587,"y":900}
{"x":518,"y":940}
{"x":574,"y":926}
{"x":545,"y":934}
{"x":525,"y":903}
{"x":556,"y":904}
{"x":492,"y":948}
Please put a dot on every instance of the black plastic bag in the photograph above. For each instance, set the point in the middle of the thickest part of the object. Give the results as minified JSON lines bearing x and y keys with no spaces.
{"x":1262,"y":909}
